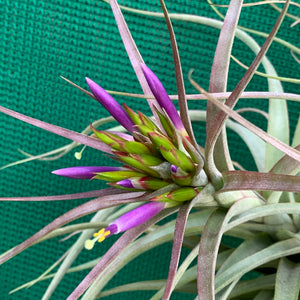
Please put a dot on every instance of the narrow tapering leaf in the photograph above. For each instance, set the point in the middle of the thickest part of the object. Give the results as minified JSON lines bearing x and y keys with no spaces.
{"x":208,"y":250}
{"x":183,"y":107}
{"x":250,"y":180}
{"x":69,"y":134}
{"x":181,"y":220}
{"x":75,"y":213}
{"x":287,"y":280}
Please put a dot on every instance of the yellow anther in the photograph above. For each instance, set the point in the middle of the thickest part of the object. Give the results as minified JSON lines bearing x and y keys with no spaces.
{"x":99,"y":233}
{"x":98,"y":236}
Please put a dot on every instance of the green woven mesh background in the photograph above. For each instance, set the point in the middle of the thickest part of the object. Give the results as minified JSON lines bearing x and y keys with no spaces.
{"x":40,"y":40}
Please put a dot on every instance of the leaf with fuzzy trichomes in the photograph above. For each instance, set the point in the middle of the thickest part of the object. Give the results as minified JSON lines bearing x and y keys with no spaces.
{"x":262,"y":211}
{"x":208,"y":22}
{"x":208,"y":251}
{"x":184,"y":276}
{"x":248,"y":287}
{"x":296,"y":139}
{"x":154,"y":238}
{"x":183,"y":108}
{"x":69,"y":134}
{"x":287,"y":79}
{"x":131,"y":49}
{"x":73,"y":214}
{"x":214,"y":131}
{"x":255,"y":144}
{"x":259,"y":132}
{"x":263,"y":295}
{"x":210,"y":242}
{"x":218,"y":83}
{"x":75,"y":250}
{"x":83,"y":195}
{"x":287,"y":280}
{"x":275,"y":251}
{"x":181,"y":271}
{"x":50,"y":155}
{"x":257,"y":181}
{"x":181,"y":220}
{"x":287,"y":165}
{"x":246,"y":249}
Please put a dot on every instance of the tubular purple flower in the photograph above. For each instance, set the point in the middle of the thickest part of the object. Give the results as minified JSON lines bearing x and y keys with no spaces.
{"x":83,"y":172}
{"x":111,"y":105}
{"x":163,"y":98}
{"x":129,"y":220}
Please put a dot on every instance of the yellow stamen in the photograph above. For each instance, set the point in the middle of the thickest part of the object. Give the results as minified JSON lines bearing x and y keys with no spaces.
{"x":98,"y":236}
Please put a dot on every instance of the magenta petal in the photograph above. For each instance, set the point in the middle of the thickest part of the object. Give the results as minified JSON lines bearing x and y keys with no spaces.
{"x":111,"y":105}
{"x":83,"y":172}
{"x":174,"y":168}
{"x":127,"y":183}
{"x":162,"y":97}
{"x":138,"y":216}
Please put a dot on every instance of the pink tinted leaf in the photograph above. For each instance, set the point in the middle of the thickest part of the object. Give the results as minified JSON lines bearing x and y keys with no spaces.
{"x":259,"y":132}
{"x":183,"y":108}
{"x":286,"y":165}
{"x":69,"y":134}
{"x":131,"y":48}
{"x":249,"y":180}
{"x":114,"y":251}
{"x":214,"y":131}
{"x":218,"y":79}
{"x":208,"y":251}
{"x":84,"y":195}
{"x":181,"y":220}
{"x":73,"y":214}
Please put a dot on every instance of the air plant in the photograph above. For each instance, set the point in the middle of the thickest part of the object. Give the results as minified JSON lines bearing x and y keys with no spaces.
{"x":163,"y":171}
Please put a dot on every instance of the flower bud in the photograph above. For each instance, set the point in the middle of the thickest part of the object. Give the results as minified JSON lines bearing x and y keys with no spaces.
{"x":179,"y":195}
{"x":111,"y":105}
{"x":144,"y":183}
{"x":83,"y":172}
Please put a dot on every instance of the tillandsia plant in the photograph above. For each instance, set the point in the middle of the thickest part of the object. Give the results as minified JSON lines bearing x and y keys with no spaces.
{"x":166,"y":187}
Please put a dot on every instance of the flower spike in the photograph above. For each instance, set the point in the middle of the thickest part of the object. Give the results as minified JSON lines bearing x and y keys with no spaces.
{"x":83,"y":172}
{"x":110,"y":104}
{"x":163,"y":98}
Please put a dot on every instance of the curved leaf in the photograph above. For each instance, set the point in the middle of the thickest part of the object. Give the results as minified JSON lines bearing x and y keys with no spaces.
{"x":181,"y":220}
{"x":277,"y":250}
{"x":249,"y":286}
{"x":218,"y":80}
{"x":214,"y":131}
{"x":183,"y":108}
{"x":208,"y":251}
{"x":262,"y":211}
{"x":75,"y":213}
{"x":287,"y":280}
{"x":257,"y":181}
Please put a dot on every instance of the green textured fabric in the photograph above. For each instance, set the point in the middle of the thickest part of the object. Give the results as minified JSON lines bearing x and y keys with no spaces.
{"x":41,"y":40}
